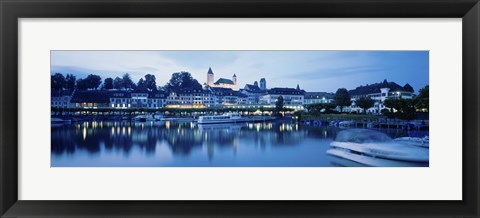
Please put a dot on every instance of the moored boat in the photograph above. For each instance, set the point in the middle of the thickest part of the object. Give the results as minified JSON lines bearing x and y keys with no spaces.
{"x":374,"y":148}
{"x":224,"y":118}
{"x":221,"y":126}
{"x":417,"y":141}
{"x":348,"y":159}
{"x":59,"y":120}
{"x":148,"y":117}
{"x":346,"y":123}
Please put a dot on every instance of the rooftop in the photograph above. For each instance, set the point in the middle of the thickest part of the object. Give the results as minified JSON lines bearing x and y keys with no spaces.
{"x":285,"y":91}
{"x":319,"y":95}
{"x":97,"y":96}
{"x":158,"y":94}
{"x":191,"y":90}
{"x":376,"y":88}
{"x":224,"y":81}
{"x":224,"y":91}
{"x":252,"y":88}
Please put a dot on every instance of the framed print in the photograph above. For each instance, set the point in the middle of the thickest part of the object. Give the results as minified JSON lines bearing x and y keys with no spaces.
{"x":265,"y":108}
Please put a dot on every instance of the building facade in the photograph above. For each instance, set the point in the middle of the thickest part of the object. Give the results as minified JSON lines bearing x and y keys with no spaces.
{"x":253,"y":93}
{"x":190,"y":98}
{"x":157,"y":100}
{"x":292,"y":98}
{"x":61,"y":99}
{"x":318,"y":98}
{"x":91,"y":99}
{"x":120,"y":99}
{"x":379,"y":92}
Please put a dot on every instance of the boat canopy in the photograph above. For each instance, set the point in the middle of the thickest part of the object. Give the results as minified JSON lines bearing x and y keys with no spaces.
{"x":361,"y":136}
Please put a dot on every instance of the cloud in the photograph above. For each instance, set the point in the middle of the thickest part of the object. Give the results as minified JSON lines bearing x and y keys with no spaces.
{"x":337,"y":72}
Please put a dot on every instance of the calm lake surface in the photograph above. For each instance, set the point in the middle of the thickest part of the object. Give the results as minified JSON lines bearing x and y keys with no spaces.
{"x":187,"y":144}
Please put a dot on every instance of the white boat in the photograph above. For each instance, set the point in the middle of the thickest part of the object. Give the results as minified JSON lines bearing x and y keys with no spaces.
{"x":148,"y":117}
{"x":347,"y":159}
{"x":224,"y":118}
{"x":417,"y":141}
{"x":59,"y":120}
{"x":346,"y":123}
{"x":221,"y":126}
{"x":374,"y":148}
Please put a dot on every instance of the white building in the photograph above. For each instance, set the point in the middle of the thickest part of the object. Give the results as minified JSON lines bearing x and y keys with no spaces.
{"x":253,"y":93}
{"x":191,"y":98}
{"x":157,"y":100}
{"x":318,"y":97}
{"x":61,"y":99}
{"x":292,"y":98}
{"x":120,"y":99}
{"x":379,"y":92}
{"x":139,"y":100}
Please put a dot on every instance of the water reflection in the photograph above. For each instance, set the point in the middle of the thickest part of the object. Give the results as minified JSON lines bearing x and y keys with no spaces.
{"x":189,"y":144}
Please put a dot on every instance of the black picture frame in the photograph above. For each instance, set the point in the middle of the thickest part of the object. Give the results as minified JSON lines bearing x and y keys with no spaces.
{"x":12,"y":10}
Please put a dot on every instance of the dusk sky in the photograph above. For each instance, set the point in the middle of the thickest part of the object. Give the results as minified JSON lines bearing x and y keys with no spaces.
{"x":312,"y":70}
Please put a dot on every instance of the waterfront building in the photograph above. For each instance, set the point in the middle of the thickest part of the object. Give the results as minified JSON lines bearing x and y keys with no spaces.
{"x":119,"y":99}
{"x":203,"y":97}
{"x":182,"y":98}
{"x":318,"y":97}
{"x":253,"y":93}
{"x":150,"y":100}
{"x":225,"y":96}
{"x":222,"y":82}
{"x":190,"y":98}
{"x":157,"y":100}
{"x":139,"y":99}
{"x":242,"y":98}
{"x":292,"y":98}
{"x":61,"y":99}
{"x":91,"y":99}
{"x":379,"y":92}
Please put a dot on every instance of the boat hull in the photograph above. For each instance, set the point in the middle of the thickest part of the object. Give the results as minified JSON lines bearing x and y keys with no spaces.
{"x":386,"y":150}
{"x":346,"y":158}
{"x":421,"y":142}
{"x":222,"y":121}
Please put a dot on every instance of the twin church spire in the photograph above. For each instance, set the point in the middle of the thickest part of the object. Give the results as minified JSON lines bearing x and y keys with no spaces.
{"x":222,"y":82}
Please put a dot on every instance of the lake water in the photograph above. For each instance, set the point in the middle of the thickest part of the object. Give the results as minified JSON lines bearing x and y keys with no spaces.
{"x":177,"y":144}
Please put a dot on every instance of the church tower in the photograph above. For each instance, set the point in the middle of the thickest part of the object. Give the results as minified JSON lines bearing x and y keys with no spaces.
{"x":210,"y":77}
{"x":263,"y":84}
{"x":234,"y":79}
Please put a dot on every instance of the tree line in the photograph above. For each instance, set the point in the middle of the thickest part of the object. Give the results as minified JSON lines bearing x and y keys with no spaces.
{"x":179,"y":80}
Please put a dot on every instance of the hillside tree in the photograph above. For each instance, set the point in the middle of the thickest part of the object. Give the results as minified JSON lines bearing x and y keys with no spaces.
{"x":342,"y":98}
{"x":365,"y":103}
